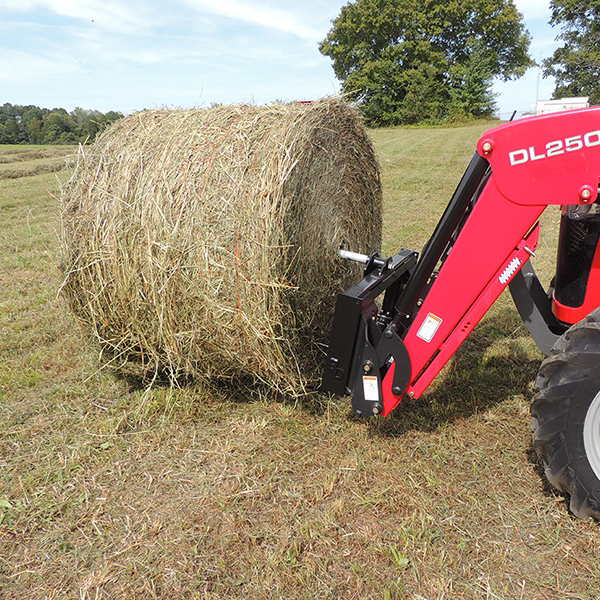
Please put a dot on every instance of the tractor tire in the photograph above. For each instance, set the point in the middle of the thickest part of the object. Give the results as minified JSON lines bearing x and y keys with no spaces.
{"x":565,"y":416}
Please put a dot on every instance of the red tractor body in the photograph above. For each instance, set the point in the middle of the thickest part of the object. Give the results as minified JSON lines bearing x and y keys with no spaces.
{"x":483,"y":243}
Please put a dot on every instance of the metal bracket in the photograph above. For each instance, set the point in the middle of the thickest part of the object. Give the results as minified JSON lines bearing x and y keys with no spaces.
{"x":377,"y":351}
{"x":534,"y":306}
{"x":355,"y":310}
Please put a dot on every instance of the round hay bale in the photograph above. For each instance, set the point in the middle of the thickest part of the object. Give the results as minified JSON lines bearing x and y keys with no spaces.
{"x":204,"y":243}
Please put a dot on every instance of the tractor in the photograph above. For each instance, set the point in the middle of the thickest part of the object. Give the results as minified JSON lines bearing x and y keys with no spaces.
{"x":396,"y":328}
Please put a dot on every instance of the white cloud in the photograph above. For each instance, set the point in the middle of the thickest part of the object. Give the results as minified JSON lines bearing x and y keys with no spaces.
{"x":11,"y":5}
{"x":128,"y":54}
{"x":18,"y":66}
{"x":265,"y":16}
{"x":111,"y":15}
{"x":25,"y":76}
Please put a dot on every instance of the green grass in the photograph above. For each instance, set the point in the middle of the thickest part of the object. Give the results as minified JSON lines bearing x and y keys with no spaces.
{"x":108,"y":491}
{"x":25,"y":161}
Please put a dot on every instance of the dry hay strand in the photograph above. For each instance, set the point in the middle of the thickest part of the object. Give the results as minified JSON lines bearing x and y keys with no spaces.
{"x":204,"y":243}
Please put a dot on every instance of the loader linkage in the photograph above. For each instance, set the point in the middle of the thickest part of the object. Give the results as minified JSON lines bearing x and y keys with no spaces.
{"x":381,"y":350}
{"x":487,"y":234}
{"x":358,"y":324}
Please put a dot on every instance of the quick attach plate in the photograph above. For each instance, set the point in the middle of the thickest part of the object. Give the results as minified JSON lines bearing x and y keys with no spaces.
{"x":354,"y":308}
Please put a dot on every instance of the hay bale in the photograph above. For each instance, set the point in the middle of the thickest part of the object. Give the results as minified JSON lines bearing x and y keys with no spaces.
{"x":203,"y":242}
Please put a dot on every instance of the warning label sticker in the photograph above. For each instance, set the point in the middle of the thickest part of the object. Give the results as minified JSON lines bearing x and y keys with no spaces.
{"x":429,"y":326}
{"x":370,"y":388}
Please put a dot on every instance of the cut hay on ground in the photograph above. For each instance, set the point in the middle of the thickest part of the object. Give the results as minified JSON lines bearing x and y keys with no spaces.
{"x":204,"y":243}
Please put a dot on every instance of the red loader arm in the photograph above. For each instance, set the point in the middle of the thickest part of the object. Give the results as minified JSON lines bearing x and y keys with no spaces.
{"x":534,"y":163}
{"x":488,"y":232}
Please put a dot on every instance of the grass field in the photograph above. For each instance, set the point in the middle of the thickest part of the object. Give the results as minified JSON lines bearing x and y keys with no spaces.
{"x":112,"y":492}
{"x":26,"y":161}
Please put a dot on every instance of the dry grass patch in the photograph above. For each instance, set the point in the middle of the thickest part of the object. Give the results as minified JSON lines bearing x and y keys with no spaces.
{"x":26,"y":161}
{"x":114,"y":492}
{"x":267,"y":500}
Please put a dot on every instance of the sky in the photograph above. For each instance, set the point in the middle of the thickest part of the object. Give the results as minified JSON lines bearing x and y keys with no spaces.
{"x":127,"y":55}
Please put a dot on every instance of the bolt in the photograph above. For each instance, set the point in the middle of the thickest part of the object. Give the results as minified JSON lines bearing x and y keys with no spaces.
{"x":368,"y":366}
{"x":388,"y":334}
{"x":487,"y":146}
{"x":586,"y":193}
{"x":396,"y":390}
{"x":411,"y":394}
{"x":376,"y":409}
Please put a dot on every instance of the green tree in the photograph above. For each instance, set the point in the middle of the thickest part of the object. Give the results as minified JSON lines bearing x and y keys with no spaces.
{"x":35,"y":131}
{"x":426,"y":60}
{"x":31,"y":124}
{"x":576,"y":65}
{"x":471,"y":86}
{"x":59,"y":127}
{"x":12,"y":130}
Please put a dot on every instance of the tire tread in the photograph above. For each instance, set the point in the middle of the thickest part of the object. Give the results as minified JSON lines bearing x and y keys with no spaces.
{"x":574,"y":359}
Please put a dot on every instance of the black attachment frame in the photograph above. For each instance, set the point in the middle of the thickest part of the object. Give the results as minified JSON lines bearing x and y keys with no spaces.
{"x":364,"y":340}
{"x":358,"y":323}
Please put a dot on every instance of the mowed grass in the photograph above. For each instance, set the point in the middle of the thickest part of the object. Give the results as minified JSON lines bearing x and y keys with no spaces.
{"x":25,"y":161}
{"x":108,"y":491}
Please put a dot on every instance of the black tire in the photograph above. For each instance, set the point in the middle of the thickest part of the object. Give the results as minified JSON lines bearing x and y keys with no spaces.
{"x":565,"y":416}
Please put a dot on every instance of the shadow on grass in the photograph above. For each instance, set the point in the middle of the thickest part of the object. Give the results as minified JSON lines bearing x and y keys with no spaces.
{"x":495,"y":363}
{"x":547,"y":489}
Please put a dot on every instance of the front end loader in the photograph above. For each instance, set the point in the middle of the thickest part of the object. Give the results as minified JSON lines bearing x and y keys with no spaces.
{"x":395,"y":329}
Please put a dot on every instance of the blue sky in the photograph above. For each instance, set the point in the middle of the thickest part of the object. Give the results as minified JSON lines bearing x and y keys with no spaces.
{"x":127,"y":55}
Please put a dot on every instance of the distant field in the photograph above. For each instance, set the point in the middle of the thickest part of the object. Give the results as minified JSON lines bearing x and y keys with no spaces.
{"x":112,"y":492}
{"x":25,"y":161}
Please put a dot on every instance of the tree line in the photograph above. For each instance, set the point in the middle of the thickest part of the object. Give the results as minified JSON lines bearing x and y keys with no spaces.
{"x":575,"y":65}
{"x":35,"y":125}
